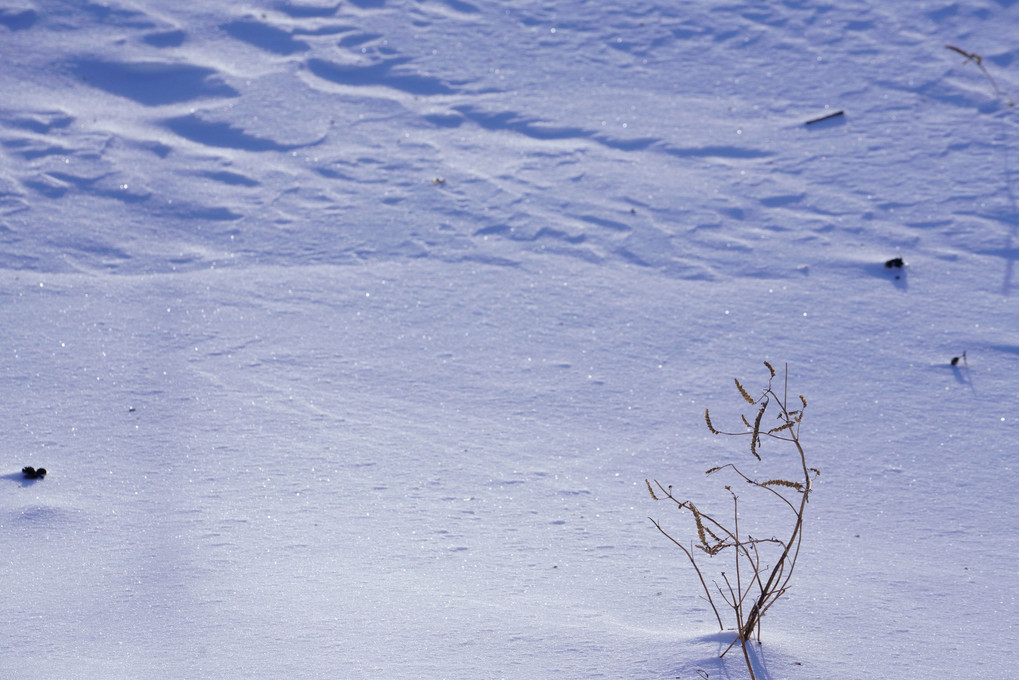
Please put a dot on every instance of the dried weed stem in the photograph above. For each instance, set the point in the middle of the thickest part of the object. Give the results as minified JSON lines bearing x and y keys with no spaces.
{"x":755,"y":585}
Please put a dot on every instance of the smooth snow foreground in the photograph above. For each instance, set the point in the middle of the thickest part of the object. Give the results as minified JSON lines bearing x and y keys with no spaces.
{"x":348,"y":333}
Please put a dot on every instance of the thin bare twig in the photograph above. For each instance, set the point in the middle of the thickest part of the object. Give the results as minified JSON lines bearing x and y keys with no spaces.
{"x":696,"y":568}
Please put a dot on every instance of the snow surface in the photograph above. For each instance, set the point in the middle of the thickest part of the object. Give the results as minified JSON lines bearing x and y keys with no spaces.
{"x":349,"y":331}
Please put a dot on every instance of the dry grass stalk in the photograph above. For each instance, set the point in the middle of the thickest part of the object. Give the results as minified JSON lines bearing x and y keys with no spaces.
{"x":757,"y":585}
{"x":979,"y":61}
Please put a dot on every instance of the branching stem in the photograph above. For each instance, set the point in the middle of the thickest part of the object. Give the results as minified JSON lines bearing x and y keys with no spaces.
{"x":756,"y":585}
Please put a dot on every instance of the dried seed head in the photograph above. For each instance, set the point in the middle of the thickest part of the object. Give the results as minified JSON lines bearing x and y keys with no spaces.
{"x":781,"y":427}
{"x":755,"y":438}
{"x":783,"y":482}
{"x":770,"y":368}
{"x":743,"y":392}
{"x":707,"y":419}
{"x":700,"y":526}
{"x":650,"y":490}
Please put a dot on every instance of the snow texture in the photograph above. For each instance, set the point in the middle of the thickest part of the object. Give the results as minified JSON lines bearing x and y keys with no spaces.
{"x":348,"y":332}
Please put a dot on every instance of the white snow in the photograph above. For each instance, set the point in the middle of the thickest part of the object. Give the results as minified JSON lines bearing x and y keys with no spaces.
{"x":348,"y":332}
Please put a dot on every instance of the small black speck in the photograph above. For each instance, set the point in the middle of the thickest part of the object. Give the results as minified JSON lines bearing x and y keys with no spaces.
{"x":33,"y":473}
{"x":895,"y":262}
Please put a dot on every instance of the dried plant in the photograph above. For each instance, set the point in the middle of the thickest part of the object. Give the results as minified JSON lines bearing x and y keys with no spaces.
{"x":979,"y":61}
{"x":757,"y":583}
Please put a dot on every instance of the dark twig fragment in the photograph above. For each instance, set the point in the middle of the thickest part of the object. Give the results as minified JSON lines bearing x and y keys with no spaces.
{"x":828,"y":116}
